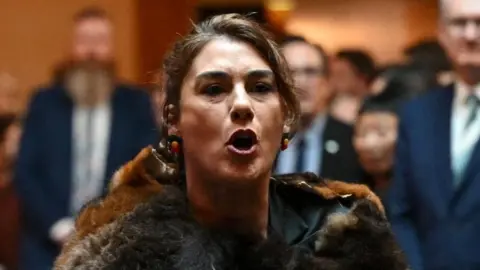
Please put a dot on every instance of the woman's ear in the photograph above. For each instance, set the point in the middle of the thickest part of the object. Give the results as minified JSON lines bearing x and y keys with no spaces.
{"x":172,"y":119}
{"x":173,"y":130}
{"x":288,"y":130}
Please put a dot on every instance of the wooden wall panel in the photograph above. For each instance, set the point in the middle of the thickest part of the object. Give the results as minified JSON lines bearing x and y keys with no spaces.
{"x":421,"y":19}
{"x":159,"y":24}
{"x":383,"y":27}
{"x":35,"y":35}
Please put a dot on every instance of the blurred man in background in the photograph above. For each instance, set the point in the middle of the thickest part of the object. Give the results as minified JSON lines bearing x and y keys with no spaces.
{"x":434,"y":198}
{"x":78,"y":131}
{"x":322,"y":145}
{"x":10,"y":130}
{"x":352,"y":74}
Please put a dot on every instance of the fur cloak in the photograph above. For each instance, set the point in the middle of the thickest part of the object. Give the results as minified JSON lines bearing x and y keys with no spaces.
{"x":145,"y":224}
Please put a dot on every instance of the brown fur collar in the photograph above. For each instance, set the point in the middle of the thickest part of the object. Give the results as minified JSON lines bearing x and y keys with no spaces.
{"x":134,"y":183}
{"x":137,"y":183}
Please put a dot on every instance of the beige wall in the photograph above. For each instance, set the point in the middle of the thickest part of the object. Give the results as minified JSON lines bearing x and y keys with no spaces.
{"x":383,"y":27}
{"x":34,"y":36}
{"x":161,"y":23}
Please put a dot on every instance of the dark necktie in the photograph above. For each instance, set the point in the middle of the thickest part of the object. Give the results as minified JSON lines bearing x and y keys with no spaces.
{"x":300,"y":155}
{"x":473,"y":103}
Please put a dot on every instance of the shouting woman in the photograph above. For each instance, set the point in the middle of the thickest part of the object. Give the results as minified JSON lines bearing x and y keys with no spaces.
{"x":206,"y":199}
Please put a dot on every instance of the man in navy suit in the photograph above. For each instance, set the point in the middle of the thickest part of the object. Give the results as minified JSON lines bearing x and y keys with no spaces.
{"x":434,"y":200}
{"x":77,"y":132}
{"x":323,"y":144}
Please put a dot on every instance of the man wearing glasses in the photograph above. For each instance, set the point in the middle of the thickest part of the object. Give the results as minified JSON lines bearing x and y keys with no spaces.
{"x":434,"y":202}
{"x":322,"y":144}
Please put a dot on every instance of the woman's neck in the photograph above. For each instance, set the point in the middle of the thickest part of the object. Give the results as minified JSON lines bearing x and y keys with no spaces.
{"x":227,"y":205}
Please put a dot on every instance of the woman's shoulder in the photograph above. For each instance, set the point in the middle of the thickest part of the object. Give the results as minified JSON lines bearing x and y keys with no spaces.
{"x":144,"y":221}
{"x":312,"y":189}
{"x":118,"y":220}
{"x":302,"y":203}
{"x":329,"y":217}
{"x":144,"y":233}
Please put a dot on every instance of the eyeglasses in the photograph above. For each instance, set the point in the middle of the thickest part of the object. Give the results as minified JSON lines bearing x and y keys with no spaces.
{"x":463,"y":27}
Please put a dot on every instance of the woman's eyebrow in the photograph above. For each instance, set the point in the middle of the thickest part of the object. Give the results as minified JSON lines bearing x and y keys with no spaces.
{"x":259,"y":73}
{"x":208,"y":75}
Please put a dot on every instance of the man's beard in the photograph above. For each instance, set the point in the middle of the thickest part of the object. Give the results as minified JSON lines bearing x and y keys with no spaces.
{"x":88,"y":83}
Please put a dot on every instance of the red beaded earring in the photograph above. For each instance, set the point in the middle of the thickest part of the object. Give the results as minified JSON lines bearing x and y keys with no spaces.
{"x":174,"y":143}
{"x":285,"y":141}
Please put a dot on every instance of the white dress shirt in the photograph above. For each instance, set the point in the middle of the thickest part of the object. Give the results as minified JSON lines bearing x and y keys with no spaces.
{"x":91,"y":131}
{"x":463,"y":140}
{"x":91,"y":136}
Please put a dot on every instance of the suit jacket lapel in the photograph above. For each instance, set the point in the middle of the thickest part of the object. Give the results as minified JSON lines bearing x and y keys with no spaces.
{"x":471,"y":170}
{"x":117,"y":133}
{"x":441,"y":137}
{"x":63,"y":134}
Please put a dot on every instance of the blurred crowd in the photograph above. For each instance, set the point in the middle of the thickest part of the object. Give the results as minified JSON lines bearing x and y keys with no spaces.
{"x":407,"y":129}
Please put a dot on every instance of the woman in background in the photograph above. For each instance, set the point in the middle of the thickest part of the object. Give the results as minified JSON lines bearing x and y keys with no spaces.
{"x":376,"y":126}
{"x":10,"y":130}
{"x":374,"y":140}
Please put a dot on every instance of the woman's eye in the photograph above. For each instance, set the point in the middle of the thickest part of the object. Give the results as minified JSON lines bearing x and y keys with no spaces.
{"x":262,"y":88}
{"x":213,"y":90}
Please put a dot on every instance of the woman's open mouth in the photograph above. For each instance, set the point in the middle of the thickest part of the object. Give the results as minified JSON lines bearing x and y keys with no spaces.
{"x":243,"y":142}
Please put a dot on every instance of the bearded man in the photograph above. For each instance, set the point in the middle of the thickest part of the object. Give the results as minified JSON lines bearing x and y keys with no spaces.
{"x":78,"y":131}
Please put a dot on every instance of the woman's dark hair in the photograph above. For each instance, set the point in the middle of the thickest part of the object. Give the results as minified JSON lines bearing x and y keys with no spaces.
{"x":403,"y":82}
{"x":387,"y":101}
{"x":429,"y":54}
{"x":235,"y":27}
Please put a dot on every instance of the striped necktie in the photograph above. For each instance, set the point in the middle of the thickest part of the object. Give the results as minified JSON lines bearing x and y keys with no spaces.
{"x":473,"y":103}
{"x":299,"y":167}
{"x":462,"y":158}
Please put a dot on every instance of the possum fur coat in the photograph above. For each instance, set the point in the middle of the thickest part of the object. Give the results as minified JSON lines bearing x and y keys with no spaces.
{"x":144,"y":223}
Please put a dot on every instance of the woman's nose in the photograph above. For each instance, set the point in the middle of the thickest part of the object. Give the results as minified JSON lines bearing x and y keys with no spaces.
{"x":241,"y":110}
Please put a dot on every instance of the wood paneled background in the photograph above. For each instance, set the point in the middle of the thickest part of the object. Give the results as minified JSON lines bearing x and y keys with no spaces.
{"x":34,"y":35}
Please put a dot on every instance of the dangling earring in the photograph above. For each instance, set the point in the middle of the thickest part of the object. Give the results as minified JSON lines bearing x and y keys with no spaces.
{"x":285,"y":141}
{"x":174,"y":144}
